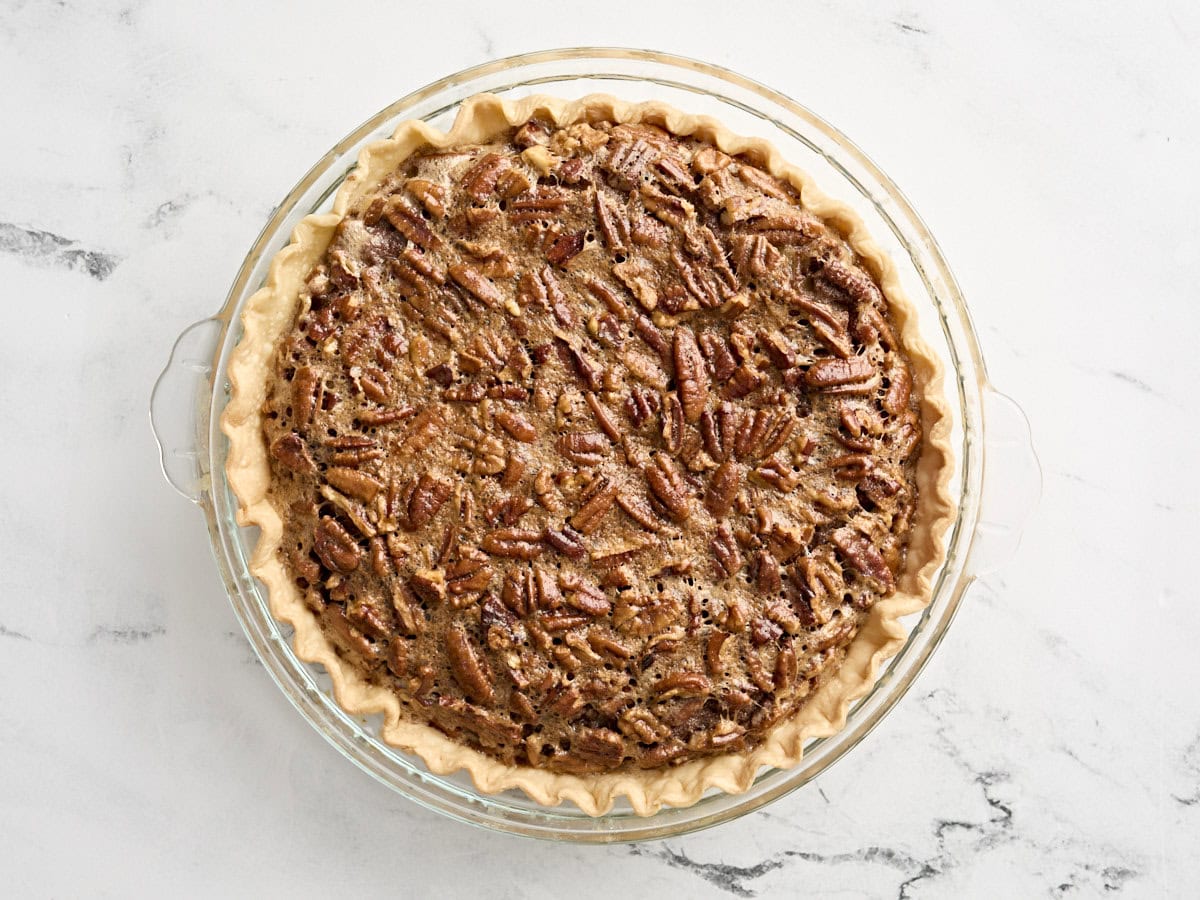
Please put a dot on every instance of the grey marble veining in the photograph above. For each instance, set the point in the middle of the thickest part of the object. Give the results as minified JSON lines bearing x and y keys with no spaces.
{"x":1052,"y":746}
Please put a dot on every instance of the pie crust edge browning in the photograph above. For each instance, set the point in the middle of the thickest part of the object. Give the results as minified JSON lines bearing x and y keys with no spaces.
{"x":269,"y":314}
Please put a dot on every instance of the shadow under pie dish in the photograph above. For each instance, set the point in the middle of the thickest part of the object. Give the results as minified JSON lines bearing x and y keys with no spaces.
{"x":592,"y":447}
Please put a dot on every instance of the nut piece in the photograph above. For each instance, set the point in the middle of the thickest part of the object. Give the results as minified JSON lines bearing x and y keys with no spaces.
{"x":863,"y":556}
{"x":691,"y":376}
{"x":517,"y":543}
{"x":467,"y":667}
{"x":293,"y":453}
{"x":357,"y":484}
{"x":587,"y":448}
{"x":335,"y":547}
{"x":669,"y":487}
{"x":723,"y":487}
{"x":518,"y":426}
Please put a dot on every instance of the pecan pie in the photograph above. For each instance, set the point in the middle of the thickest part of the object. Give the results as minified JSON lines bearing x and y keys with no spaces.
{"x":592,"y":447}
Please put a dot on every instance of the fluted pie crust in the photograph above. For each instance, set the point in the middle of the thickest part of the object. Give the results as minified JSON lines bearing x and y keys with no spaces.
{"x":270,"y":313}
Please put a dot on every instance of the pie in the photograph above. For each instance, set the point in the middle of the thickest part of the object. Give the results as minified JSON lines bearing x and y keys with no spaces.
{"x":592,"y":447}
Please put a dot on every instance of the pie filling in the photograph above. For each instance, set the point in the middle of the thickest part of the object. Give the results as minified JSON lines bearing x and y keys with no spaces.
{"x":592,"y":445}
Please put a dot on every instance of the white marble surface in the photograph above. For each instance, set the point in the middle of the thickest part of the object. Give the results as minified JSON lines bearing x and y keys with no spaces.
{"x":1051,"y":748}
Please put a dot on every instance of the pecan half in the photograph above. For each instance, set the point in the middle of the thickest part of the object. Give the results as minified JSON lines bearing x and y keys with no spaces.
{"x":669,"y":487}
{"x":725,"y":551}
{"x":335,"y":547}
{"x":586,"y":448}
{"x":517,"y":543}
{"x":517,"y":426}
{"x":357,"y":484}
{"x":468,"y":667}
{"x":691,"y":376}
{"x":723,"y":488}
{"x":830,"y":373}
{"x":293,"y":453}
{"x":863,"y":556}
{"x":592,"y":513}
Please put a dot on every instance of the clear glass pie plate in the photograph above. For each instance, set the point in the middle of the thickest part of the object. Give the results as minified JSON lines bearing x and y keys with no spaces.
{"x":996,"y":484}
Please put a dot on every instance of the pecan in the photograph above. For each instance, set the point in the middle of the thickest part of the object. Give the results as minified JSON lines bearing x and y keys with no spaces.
{"x":640,"y":405}
{"x":369,"y":418}
{"x":542,"y":289}
{"x":691,"y":376}
{"x":625,"y":162}
{"x":357,"y":484}
{"x":292,"y":452}
{"x":543,"y":204}
{"x":304,"y":565}
{"x":519,"y":543}
{"x":723,"y":488}
{"x":779,"y":475}
{"x":653,"y":336}
{"x":427,"y":498}
{"x":499,"y":626}
{"x":429,"y":585}
{"x":682,"y":684}
{"x":752,"y":432}
{"x":604,"y":417}
{"x":583,"y":596}
{"x":306,"y":395}
{"x":566,"y":541}
{"x":850,"y":467}
{"x":441,"y":374}
{"x":556,"y":623}
{"x":786,"y":668}
{"x":766,"y":573}
{"x":431,"y":196}
{"x":863,"y":556}
{"x":895,"y":400}
{"x":476,"y":284}
{"x":405,"y":218}
{"x":592,"y":513}
{"x":764,"y":631}
{"x":468,"y":667}
{"x":532,"y":133}
{"x":565,"y":248}
{"x":851,"y":282}
{"x":602,"y":644}
{"x":335,"y":547}
{"x":468,"y":577}
{"x":718,"y":430}
{"x":637,"y":275}
{"x":672,"y":425}
{"x":669,"y":487}
{"x":479,"y":181}
{"x":585,"y":448}
{"x":337,"y":626}
{"x":353,"y":450}
{"x":589,"y":373}
{"x":744,"y":380}
{"x":614,"y":226}
{"x":725,"y":551}
{"x":517,"y":426}
{"x":830,"y":373}
{"x":716,"y":351}
{"x":779,"y":349}
{"x":602,"y":748}
{"x":639,"y":510}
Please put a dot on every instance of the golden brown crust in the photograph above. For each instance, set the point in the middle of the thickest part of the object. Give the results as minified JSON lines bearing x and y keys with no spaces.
{"x":270,"y":312}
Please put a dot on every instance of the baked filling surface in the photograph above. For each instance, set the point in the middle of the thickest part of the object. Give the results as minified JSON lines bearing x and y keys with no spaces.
{"x":592,"y":445}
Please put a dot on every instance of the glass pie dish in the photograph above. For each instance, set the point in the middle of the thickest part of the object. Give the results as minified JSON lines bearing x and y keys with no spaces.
{"x":995,"y":482}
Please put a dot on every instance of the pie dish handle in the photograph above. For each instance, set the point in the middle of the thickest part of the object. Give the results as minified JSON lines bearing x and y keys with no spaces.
{"x":1012,"y":483}
{"x":176,"y":405}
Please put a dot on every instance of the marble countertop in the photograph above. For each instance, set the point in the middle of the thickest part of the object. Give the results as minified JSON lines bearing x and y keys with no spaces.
{"x":1052,"y":747}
